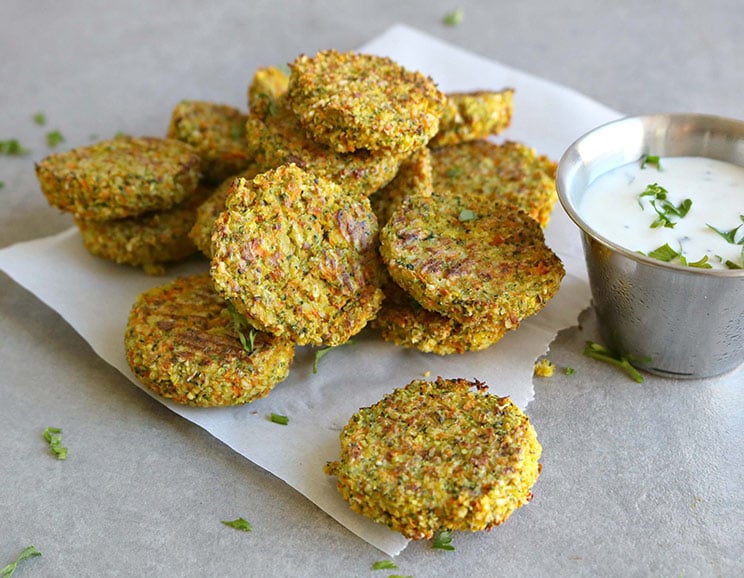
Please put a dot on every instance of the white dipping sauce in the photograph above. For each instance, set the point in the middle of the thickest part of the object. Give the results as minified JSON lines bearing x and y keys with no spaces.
{"x":611,"y":207}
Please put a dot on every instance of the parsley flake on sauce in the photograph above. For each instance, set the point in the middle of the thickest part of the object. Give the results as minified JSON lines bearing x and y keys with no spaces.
{"x":665,"y":209}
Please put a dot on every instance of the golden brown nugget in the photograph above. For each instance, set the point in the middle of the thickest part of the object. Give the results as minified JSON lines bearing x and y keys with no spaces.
{"x":353,"y":101}
{"x":470,"y":259}
{"x":184,"y":344}
{"x":298,"y":257}
{"x":268,"y":85}
{"x":474,"y":115}
{"x":414,"y":177}
{"x":277,"y":138}
{"x":212,"y":207}
{"x":403,"y":321}
{"x":217,"y":132}
{"x":147,"y":241}
{"x":435,"y":456}
{"x":510,"y":173}
{"x":121,"y":177}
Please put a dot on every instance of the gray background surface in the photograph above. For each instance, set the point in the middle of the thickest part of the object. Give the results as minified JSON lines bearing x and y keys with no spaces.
{"x":638,"y":480}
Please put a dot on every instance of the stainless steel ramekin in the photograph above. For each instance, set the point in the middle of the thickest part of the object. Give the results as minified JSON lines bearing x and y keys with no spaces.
{"x":667,"y":319}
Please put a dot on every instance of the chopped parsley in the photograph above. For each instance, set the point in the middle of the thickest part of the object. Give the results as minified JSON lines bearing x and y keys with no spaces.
{"x":278,"y":418}
{"x":443,"y":540}
{"x":53,"y":436}
{"x":569,"y":371}
{"x":12,"y":148}
{"x":454,"y":18}
{"x":54,"y":138}
{"x":2,"y":184}
{"x":384,"y":565}
{"x":321,"y":353}
{"x":730,"y":235}
{"x":239,"y":524}
{"x":665,"y":209}
{"x":651,"y":160}
{"x":466,"y":215}
{"x":666,"y":254}
{"x":28,"y":552}
{"x":245,"y":332}
{"x":602,"y":353}
{"x":40,"y":118}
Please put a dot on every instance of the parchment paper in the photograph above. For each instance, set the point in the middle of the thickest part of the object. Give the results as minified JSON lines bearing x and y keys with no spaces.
{"x":94,"y":297}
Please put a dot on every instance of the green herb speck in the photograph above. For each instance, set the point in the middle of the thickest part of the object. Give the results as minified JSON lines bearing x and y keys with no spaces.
{"x":54,"y":138}
{"x":53,"y":436}
{"x":12,"y":148}
{"x":40,"y":118}
{"x":278,"y":418}
{"x":602,"y":353}
{"x":384,"y":565}
{"x":454,"y":18}
{"x":239,"y":524}
{"x":28,"y":552}
{"x":443,"y":540}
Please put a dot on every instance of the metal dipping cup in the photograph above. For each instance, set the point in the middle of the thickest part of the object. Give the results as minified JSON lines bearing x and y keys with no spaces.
{"x":667,"y":319}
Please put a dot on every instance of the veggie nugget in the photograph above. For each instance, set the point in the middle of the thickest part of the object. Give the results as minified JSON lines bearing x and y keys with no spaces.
{"x":401,"y":320}
{"x":217,"y":132}
{"x":351,"y":101}
{"x":184,"y":344}
{"x":473,"y":115}
{"x":434,"y":456}
{"x":121,"y":177}
{"x":298,"y":257}
{"x":511,"y":173}
{"x":469,"y":258}
{"x":278,"y":138}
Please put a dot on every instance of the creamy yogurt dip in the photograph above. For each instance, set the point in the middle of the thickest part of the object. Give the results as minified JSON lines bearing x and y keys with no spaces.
{"x":668,"y":208}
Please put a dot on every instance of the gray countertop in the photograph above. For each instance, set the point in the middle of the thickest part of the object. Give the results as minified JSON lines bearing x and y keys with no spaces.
{"x":638,"y":479}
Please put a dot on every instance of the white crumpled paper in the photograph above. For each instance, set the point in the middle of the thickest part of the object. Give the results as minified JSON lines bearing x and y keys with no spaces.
{"x":94,"y":296}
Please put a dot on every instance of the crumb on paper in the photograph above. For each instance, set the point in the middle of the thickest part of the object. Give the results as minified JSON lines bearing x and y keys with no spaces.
{"x":544,"y":367}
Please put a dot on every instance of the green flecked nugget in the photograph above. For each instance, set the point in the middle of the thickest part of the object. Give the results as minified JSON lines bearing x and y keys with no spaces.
{"x":438,"y":455}
{"x":510,"y":173}
{"x":212,"y":207}
{"x":402,"y":321}
{"x":473,"y":115}
{"x":121,"y":177}
{"x":268,"y":85}
{"x":278,"y":138}
{"x":469,"y":258}
{"x":353,"y":101}
{"x":147,"y":241}
{"x":298,"y":257}
{"x":413,"y":178}
{"x":217,"y":132}
{"x":183,"y":343}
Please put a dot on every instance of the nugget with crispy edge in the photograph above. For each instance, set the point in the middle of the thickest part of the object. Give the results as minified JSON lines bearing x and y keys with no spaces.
{"x":185,"y":344}
{"x":268,"y":85}
{"x":298,"y":257}
{"x":278,"y":138}
{"x":217,"y":132}
{"x":473,"y":115}
{"x":469,"y":258}
{"x":120,"y":177}
{"x":353,"y":101}
{"x":436,"y":456}
{"x":510,"y":173}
